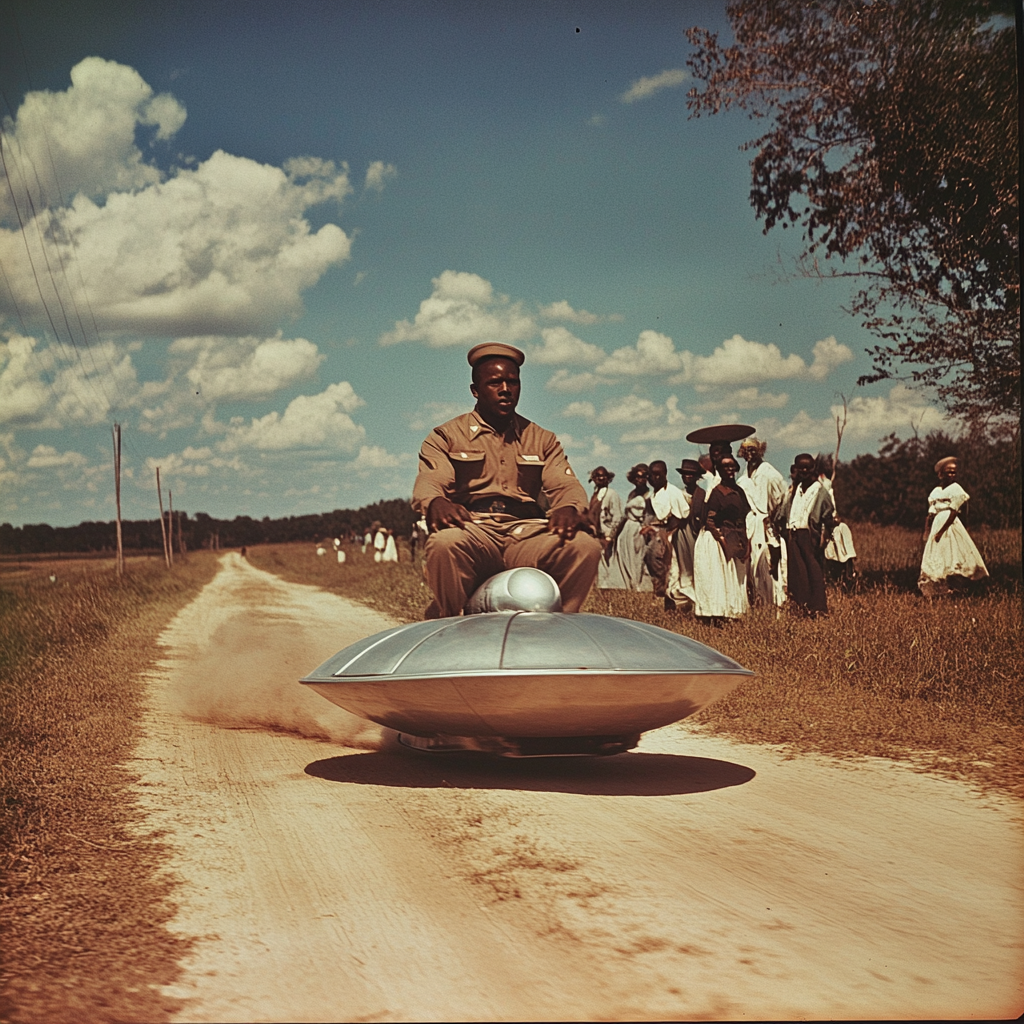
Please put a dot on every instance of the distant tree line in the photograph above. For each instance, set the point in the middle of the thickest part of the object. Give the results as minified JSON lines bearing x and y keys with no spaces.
{"x":888,"y":488}
{"x":892,"y":487}
{"x":204,"y":531}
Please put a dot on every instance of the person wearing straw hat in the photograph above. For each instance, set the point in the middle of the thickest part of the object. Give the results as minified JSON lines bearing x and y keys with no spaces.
{"x":605,"y":515}
{"x":950,"y":558}
{"x":482,"y":477}
{"x":680,"y":588}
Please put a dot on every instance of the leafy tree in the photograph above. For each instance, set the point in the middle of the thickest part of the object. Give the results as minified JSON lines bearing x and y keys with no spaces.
{"x":893,"y":147}
{"x":892,"y":487}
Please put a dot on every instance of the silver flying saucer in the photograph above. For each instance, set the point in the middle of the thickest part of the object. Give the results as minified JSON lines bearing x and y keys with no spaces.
{"x":526,"y":674}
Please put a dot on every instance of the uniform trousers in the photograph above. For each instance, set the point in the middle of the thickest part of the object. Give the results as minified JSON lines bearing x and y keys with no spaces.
{"x":460,"y":559}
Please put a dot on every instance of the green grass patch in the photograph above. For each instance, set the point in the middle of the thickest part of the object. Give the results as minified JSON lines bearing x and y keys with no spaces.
{"x":82,"y":901}
{"x":886,"y":674}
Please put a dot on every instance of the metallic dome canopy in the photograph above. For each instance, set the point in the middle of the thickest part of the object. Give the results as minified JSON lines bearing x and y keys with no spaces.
{"x":526,"y":674}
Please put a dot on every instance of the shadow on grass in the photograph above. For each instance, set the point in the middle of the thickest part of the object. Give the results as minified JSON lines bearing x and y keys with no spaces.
{"x":624,"y":775}
{"x":1002,"y":579}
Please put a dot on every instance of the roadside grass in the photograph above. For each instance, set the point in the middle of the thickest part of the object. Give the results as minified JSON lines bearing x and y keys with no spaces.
{"x":886,"y":674}
{"x":83,"y":902}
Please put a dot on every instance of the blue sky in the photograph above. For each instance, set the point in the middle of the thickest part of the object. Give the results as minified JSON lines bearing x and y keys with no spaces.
{"x":266,"y":235}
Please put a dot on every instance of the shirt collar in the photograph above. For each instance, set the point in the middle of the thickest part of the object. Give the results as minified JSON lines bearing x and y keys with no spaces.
{"x":516,"y":426}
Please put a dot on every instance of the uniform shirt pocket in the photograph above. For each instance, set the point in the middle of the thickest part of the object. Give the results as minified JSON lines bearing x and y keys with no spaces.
{"x":530,"y":470}
{"x":468,"y":464}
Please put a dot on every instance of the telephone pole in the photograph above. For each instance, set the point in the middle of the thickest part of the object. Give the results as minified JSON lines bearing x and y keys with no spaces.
{"x":117,"y":496}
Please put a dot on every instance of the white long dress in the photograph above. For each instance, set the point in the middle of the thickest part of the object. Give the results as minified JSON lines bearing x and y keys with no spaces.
{"x":765,"y":490}
{"x":955,"y":553}
{"x":390,"y":550}
{"x":720,"y":583}
{"x":839,"y":547}
{"x":609,"y":517}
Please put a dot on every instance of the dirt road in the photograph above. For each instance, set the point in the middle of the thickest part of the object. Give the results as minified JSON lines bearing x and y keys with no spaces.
{"x":693,"y":879}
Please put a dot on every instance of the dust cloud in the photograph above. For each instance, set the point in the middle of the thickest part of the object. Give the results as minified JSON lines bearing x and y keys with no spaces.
{"x":237,"y":666}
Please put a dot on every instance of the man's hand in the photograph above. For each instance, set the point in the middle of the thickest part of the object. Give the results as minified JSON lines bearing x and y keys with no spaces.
{"x":567,"y":522}
{"x":441,"y":513}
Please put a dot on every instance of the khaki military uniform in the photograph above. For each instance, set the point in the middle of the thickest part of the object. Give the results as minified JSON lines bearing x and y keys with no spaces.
{"x":505,"y":480}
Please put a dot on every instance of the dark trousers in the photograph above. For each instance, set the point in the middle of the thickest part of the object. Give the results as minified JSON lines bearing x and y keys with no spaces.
{"x":806,"y":579}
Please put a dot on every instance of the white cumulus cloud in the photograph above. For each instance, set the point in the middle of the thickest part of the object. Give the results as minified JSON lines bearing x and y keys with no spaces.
{"x":53,"y":387}
{"x":232,"y":369}
{"x":84,"y":137}
{"x":378,"y":174}
{"x":654,"y":353}
{"x":649,"y":85}
{"x":191,"y":462}
{"x":221,"y":248}
{"x":372,"y":458}
{"x":566,"y":382}
{"x":745,"y":398}
{"x":561,"y":310}
{"x":433,"y":414}
{"x":734,"y":363}
{"x":584,"y":410}
{"x":320,"y":421}
{"x":463,"y":309}
{"x":562,"y":346}
{"x":828,"y":354}
{"x":869,"y":419}
{"x":45,"y":456}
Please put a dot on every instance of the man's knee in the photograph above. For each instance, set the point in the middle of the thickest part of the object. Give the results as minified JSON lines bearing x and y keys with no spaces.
{"x":445,"y":541}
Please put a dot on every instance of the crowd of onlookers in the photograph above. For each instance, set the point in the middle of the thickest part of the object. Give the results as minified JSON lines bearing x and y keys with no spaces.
{"x":729,"y":537}
{"x":724,"y":539}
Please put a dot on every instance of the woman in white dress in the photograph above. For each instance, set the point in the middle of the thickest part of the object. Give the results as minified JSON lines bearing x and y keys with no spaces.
{"x":626,"y":566}
{"x":722,"y":551}
{"x":950,"y":557}
{"x":390,"y":548}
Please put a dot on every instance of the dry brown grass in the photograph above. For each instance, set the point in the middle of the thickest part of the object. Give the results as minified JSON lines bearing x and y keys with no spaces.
{"x":82,"y":903}
{"x":886,"y":674}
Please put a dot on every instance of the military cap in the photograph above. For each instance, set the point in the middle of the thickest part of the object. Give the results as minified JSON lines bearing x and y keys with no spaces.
{"x":492,"y":350}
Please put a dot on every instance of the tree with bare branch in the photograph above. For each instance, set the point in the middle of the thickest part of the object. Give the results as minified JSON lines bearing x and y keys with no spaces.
{"x":892,"y":145}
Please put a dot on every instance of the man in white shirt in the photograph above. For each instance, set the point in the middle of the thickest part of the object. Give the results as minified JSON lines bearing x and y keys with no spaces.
{"x":765,"y":490}
{"x":668,"y":508}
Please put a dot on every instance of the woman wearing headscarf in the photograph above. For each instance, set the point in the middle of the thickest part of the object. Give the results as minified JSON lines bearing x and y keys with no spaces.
{"x":626,"y":565}
{"x":765,"y":490}
{"x":950,"y":557}
{"x":722,"y":550}
{"x":605,"y":515}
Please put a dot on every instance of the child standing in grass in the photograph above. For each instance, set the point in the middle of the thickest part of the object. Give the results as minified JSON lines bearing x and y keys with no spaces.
{"x":950,"y":557}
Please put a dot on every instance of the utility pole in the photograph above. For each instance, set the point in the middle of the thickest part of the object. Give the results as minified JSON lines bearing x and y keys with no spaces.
{"x":117,"y":496}
{"x":170,"y":525}
{"x":163,"y":525}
